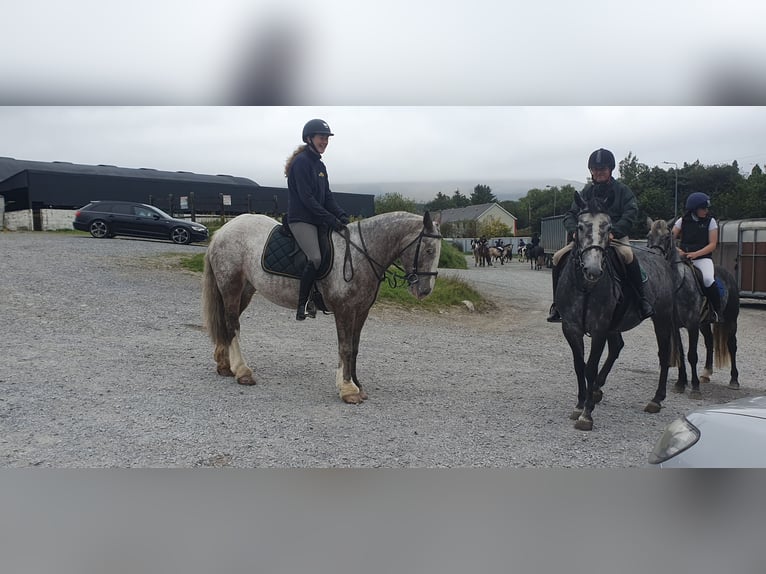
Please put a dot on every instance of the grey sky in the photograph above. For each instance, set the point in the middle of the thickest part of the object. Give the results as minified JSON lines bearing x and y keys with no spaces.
{"x":385,"y":144}
{"x":431,"y":52}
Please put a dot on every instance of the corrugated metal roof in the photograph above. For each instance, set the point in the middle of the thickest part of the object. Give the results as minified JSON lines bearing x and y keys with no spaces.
{"x":10,"y":166}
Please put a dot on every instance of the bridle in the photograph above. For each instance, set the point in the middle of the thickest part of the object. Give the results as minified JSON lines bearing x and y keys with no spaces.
{"x":380,"y":271}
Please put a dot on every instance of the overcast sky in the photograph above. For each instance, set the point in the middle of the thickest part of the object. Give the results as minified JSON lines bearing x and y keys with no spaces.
{"x":400,"y":52}
{"x":385,"y":144}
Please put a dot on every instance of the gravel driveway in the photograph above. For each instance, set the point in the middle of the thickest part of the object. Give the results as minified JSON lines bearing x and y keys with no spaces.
{"x":106,"y":364}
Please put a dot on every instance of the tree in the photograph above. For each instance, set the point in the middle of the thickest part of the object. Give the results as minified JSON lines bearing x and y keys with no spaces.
{"x":440,"y":202}
{"x":493,"y":227}
{"x":482,"y":194}
{"x":460,"y":200}
{"x":393,"y":202}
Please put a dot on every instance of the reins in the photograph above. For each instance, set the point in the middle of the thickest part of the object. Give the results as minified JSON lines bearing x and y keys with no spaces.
{"x":381,"y":272}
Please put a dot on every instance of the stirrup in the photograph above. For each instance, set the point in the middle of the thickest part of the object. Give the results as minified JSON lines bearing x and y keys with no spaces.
{"x":553,"y":315}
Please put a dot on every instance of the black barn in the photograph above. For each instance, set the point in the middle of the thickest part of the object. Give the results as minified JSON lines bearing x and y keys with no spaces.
{"x":39,"y":185}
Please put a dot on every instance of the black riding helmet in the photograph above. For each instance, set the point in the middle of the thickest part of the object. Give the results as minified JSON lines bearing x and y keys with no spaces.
{"x":601,"y":158}
{"x":314,"y":127}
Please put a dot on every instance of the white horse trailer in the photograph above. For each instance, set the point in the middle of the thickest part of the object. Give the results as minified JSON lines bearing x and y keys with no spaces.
{"x":742,"y":251}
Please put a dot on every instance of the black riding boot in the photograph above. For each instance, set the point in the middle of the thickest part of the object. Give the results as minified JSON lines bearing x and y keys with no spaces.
{"x":307,"y":280}
{"x":714,"y":302}
{"x":553,"y":314}
{"x":645,"y":309}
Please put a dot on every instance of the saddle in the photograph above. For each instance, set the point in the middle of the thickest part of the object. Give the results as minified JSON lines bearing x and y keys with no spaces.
{"x":283,"y":256}
{"x":706,"y":310}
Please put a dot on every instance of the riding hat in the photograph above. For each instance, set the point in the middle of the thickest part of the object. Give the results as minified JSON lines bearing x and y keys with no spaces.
{"x":697,"y":200}
{"x":601,"y":158}
{"x":314,"y":127}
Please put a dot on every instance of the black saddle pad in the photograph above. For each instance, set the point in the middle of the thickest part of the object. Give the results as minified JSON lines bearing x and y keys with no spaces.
{"x":282,"y":256}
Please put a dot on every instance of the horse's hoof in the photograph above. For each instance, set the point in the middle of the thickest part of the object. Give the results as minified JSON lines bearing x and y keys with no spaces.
{"x":679,"y":389}
{"x":224,"y":371}
{"x":353,"y":399}
{"x":584,"y":424}
{"x":246,"y":380}
{"x":704,"y":379}
{"x":695,"y":394}
{"x":597,"y":396}
{"x":652,"y":407}
{"x":575,"y":414}
{"x":734,"y":385}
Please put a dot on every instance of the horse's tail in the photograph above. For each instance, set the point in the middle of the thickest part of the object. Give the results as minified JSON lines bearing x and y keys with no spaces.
{"x":721,"y":334}
{"x":213,"y":315}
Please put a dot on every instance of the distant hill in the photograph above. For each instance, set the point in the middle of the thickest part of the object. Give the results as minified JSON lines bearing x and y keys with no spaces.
{"x":504,"y":189}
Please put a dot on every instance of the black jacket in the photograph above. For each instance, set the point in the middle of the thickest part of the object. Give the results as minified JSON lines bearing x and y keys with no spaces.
{"x":620,"y":203}
{"x":309,"y":198}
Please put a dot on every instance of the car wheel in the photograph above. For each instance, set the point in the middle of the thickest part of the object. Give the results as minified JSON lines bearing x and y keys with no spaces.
{"x":180,"y":235}
{"x":99,"y":229}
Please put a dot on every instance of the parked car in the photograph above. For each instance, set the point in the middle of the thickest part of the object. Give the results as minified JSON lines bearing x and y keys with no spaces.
{"x":110,"y":218}
{"x":731,"y":435}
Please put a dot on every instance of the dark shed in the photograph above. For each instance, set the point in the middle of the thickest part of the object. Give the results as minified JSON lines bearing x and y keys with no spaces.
{"x":61,"y":185}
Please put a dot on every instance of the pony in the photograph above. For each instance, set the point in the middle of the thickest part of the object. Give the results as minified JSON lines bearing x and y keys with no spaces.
{"x":691,"y":313}
{"x":507,"y":253}
{"x":481,"y":254}
{"x":362,"y":255}
{"x":495,"y":254}
{"x":536,"y":256}
{"x":592,"y":301}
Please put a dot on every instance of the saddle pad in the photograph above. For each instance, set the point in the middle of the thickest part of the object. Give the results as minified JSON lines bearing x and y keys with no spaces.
{"x":282,"y":256}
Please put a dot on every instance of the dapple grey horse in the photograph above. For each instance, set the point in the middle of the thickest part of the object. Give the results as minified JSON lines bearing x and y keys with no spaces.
{"x":592,"y":301}
{"x":233,"y":274}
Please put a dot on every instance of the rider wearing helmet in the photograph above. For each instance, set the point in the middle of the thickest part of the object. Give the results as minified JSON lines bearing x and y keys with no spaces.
{"x":311,"y":207}
{"x":622,"y":207}
{"x":697,"y":231}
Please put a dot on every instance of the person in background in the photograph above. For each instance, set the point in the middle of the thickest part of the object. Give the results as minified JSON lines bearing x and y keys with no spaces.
{"x":311,"y":207}
{"x":697,"y":232}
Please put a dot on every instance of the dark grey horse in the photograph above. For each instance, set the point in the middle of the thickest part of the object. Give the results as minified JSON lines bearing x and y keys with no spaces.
{"x":691,"y":313}
{"x":592,"y":301}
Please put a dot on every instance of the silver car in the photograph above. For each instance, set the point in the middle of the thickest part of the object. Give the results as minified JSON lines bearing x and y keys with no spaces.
{"x":731,"y":435}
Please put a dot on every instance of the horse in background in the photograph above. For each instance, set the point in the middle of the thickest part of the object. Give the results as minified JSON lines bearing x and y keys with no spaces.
{"x":692,"y":313}
{"x":536,"y":256}
{"x":361,"y":258}
{"x":508,"y":253}
{"x":592,"y":301}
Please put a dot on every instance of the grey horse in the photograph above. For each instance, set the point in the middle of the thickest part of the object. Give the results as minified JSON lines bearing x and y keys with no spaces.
{"x":593,"y":300}
{"x":691,"y":314}
{"x":233,"y":274}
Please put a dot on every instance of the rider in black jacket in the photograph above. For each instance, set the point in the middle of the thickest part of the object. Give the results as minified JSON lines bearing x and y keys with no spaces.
{"x":311,"y":207}
{"x":623,"y":209}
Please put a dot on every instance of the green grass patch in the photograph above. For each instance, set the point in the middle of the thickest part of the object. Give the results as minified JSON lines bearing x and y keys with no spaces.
{"x":194,"y":262}
{"x":448,"y":292}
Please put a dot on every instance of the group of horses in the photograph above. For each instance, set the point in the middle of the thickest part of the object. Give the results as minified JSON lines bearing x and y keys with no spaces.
{"x":484,"y":255}
{"x":591,"y":296}
{"x":593,"y":300}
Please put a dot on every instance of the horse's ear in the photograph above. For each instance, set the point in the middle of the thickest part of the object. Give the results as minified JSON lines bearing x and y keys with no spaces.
{"x":427,"y":221}
{"x":649,"y":222}
{"x":579,"y":200}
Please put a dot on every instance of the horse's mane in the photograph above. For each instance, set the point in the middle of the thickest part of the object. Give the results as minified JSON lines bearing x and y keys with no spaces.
{"x":594,"y":205}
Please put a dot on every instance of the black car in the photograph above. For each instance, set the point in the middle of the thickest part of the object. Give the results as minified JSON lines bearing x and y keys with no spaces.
{"x":110,"y":218}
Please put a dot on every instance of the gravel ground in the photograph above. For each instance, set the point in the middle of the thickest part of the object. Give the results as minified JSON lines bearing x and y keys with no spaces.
{"x":106,"y":364}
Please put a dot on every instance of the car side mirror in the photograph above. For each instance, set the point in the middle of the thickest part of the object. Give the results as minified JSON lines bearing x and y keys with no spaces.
{"x":156,"y":217}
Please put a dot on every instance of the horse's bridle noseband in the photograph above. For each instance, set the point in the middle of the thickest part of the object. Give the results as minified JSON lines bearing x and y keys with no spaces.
{"x":414,"y":276}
